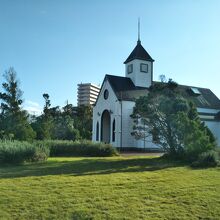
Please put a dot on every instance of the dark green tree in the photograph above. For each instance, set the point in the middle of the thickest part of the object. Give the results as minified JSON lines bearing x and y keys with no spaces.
{"x":172,"y":121}
{"x":14,"y":121}
{"x":83,"y":121}
{"x":12,"y":95}
{"x":55,"y":123}
{"x":43,"y":124}
{"x":64,"y":128}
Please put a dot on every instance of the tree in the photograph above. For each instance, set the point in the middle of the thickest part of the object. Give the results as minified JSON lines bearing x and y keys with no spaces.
{"x":83,"y":121}
{"x":64,"y":129}
{"x":172,"y":121}
{"x":43,"y":124}
{"x":14,"y":120}
{"x":12,"y":97}
{"x":56,"y":123}
{"x":47,"y":104}
{"x":140,"y":130}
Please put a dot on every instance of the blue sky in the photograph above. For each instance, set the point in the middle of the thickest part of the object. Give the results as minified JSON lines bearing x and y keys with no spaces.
{"x":54,"y":45}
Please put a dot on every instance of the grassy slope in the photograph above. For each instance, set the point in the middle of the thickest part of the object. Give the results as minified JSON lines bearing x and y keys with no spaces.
{"x":109,"y":188}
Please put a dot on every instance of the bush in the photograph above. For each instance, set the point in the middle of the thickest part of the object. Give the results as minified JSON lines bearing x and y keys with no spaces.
{"x":42,"y":152}
{"x":207,"y":159}
{"x":19,"y":152}
{"x":80,"y":148}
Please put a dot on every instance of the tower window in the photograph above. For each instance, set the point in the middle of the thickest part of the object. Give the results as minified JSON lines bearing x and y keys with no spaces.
{"x":130,"y":68}
{"x":144,"y":67}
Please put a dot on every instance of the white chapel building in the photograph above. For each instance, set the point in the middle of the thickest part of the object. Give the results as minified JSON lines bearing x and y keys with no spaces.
{"x":111,"y":113}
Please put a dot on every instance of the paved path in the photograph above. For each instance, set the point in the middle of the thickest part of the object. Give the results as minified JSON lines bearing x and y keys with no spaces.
{"x":129,"y":154}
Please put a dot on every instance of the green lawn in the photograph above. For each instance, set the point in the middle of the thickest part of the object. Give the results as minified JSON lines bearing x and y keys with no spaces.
{"x":109,"y":188}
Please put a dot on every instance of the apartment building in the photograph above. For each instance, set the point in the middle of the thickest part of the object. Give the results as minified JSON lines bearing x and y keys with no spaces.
{"x":87,"y":93}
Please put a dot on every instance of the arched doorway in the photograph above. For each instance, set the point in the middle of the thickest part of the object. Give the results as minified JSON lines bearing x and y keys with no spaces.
{"x":105,"y":127}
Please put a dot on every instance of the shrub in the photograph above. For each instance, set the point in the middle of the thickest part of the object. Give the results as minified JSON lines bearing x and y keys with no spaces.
{"x":19,"y":152}
{"x":42,"y":152}
{"x":80,"y":148}
{"x":207,"y":159}
{"x":197,"y":147}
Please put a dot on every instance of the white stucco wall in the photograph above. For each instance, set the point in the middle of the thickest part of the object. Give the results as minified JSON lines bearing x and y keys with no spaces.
{"x":118,"y":110}
{"x":214,"y":126}
{"x":207,"y":110}
{"x":127,"y":124}
{"x":148,"y":143}
{"x":140,"y":78}
{"x":113,"y":106}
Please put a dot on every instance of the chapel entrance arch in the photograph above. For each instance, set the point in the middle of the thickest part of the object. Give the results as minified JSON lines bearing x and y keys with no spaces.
{"x":105,"y":127}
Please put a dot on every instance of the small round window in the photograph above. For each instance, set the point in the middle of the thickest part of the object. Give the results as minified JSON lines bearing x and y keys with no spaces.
{"x":106,"y":93}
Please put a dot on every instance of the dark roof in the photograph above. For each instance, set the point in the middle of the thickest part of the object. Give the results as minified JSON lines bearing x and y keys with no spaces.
{"x":125,"y":89}
{"x":207,"y":99}
{"x":139,"y":53}
{"x":120,"y":83}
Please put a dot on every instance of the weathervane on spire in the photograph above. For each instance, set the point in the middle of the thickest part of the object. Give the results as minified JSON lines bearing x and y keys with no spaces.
{"x":139,"y":41}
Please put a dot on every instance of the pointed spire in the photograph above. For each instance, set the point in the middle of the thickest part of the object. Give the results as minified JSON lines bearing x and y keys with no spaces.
{"x":139,"y":52}
{"x":139,"y":41}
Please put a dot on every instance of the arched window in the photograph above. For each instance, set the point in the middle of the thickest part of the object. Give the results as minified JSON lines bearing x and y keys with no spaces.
{"x":105,"y":127}
{"x":97,"y":131}
{"x":113,"y":131}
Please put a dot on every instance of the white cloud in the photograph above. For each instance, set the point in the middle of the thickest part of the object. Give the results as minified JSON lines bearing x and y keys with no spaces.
{"x":32,"y":107}
{"x":31,"y":103}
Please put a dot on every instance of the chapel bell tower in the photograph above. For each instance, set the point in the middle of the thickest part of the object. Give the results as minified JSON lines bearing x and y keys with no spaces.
{"x":139,"y":65}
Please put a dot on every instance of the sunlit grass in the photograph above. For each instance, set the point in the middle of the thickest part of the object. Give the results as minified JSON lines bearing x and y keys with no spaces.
{"x":109,"y":188}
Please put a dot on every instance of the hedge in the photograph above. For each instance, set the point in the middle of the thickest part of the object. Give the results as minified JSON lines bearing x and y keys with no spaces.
{"x":19,"y":152}
{"x":60,"y":148}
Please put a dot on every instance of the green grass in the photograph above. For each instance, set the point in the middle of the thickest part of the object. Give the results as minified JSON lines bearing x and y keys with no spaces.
{"x":109,"y":188}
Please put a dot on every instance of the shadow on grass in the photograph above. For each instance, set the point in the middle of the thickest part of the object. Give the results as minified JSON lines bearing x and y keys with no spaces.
{"x":87,"y":167}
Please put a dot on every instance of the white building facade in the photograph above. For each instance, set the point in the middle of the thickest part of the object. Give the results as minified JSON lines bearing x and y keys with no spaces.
{"x":111,"y":113}
{"x":87,"y":93}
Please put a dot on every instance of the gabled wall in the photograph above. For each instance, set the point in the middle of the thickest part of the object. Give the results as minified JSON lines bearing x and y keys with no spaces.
{"x":113,"y":106}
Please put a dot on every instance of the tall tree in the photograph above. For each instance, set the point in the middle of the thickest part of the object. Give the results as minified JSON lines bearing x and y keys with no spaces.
{"x":12,"y":95}
{"x":43,"y":124}
{"x":14,"y":120}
